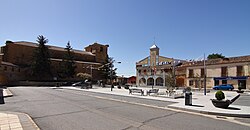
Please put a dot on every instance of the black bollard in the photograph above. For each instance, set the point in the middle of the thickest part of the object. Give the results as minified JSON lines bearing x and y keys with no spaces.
{"x":1,"y":96}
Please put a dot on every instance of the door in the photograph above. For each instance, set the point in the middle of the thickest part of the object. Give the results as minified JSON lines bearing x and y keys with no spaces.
{"x":242,"y":83}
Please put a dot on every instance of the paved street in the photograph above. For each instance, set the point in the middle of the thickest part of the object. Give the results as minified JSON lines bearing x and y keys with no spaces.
{"x":62,"y":109}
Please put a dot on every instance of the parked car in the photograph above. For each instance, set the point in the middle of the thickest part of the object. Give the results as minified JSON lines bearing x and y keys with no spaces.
{"x":83,"y":84}
{"x":77,"y":84}
{"x":224,"y":87}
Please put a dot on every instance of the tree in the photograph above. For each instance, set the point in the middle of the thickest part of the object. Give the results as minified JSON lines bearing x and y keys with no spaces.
{"x":109,"y":71}
{"x":215,"y":55}
{"x":83,"y":76}
{"x":170,"y":81}
{"x":41,"y":62}
{"x":68,"y":65}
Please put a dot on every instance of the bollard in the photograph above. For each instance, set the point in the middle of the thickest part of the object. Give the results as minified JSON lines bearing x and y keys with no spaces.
{"x":1,"y":96}
{"x":188,"y":98}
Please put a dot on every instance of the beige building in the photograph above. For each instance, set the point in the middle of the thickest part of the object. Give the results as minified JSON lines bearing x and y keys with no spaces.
{"x":155,"y":69}
{"x":234,"y":70}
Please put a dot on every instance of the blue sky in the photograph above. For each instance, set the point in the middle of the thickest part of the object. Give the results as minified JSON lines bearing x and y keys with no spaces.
{"x":183,"y":29}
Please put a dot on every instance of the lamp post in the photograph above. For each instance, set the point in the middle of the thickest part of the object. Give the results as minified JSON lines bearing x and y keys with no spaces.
{"x":111,"y":71}
{"x":205,"y":73}
{"x":91,"y":73}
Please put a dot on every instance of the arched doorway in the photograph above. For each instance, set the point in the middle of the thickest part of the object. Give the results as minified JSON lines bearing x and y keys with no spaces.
{"x":142,"y":82}
{"x":159,"y":81}
{"x":150,"y":82}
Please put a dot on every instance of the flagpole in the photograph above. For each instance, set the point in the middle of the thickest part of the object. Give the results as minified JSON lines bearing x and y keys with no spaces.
{"x":205,"y":73}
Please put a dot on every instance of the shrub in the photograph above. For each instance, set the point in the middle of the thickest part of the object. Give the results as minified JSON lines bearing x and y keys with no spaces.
{"x":219,"y":95}
{"x":188,"y":89}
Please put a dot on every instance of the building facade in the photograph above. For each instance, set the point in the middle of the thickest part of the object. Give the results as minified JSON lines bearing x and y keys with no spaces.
{"x":234,"y":70}
{"x":155,"y":70}
{"x":19,"y":55}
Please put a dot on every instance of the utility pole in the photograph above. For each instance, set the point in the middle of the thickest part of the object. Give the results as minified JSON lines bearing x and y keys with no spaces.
{"x":205,"y":74}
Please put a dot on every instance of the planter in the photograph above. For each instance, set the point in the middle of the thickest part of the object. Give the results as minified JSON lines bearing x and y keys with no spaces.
{"x":221,"y":103}
{"x":240,"y":91}
{"x":126,"y":87}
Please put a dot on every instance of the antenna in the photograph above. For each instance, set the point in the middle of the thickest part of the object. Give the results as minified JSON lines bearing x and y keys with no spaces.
{"x":154,"y":40}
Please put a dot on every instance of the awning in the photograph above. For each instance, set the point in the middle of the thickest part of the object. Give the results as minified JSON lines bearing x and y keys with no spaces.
{"x":231,"y":78}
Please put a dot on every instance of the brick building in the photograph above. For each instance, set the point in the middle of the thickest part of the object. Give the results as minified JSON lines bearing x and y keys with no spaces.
{"x":18,"y":55}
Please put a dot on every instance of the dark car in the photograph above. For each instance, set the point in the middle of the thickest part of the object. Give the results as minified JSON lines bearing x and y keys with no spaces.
{"x":224,"y":87}
{"x":78,"y":84}
{"x":83,"y":84}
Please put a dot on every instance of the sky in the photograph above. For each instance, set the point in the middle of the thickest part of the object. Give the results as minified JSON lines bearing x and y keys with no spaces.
{"x":182,"y":29}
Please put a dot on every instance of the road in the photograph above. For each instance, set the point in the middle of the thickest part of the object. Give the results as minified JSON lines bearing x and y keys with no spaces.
{"x":63,"y":109}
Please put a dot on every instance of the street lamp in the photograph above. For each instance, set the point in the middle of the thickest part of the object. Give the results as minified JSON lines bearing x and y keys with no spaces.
{"x":111,"y":73}
{"x":91,"y":72}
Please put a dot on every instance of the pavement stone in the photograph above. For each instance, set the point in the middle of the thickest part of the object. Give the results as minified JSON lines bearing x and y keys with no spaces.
{"x":16,"y":121}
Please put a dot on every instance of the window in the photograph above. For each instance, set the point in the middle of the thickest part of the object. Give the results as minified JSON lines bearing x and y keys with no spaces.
{"x":191,"y":82}
{"x":223,"y":71}
{"x":224,"y":81}
{"x":5,"y":68}
{"x":12,"y":69}
{"x":101,"y":49}
{"x":240,"y":71}
{"x":157,"y":60}
{"x":191,"y":73}
{"x":202,"y":72}
{"x":216,"y":82}
{"x":149,"y":61}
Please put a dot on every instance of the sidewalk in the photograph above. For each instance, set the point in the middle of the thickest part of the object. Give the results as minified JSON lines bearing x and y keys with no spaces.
{"x":200,"y":103}
{"x":15,"y":120}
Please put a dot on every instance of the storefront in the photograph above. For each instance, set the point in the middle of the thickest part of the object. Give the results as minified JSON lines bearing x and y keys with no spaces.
{"x":236,"y":81}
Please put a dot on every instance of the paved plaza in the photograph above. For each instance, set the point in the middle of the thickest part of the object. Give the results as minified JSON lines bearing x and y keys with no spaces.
{"x":200,"y":104}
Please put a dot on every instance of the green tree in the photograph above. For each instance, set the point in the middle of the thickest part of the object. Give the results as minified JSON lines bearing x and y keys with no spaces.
{"x":41,"y":62}
{"x":215,"y":55}
{"x":109,"y":71}
{"x":170,"y":81}
{"x":68,"y":65}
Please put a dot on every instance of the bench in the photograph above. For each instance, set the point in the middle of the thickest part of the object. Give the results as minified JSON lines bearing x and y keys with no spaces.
{"x":152,"y":91}
{"x":135,"y":90}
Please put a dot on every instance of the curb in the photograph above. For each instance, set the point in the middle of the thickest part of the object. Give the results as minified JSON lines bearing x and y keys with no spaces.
{"x":31,"y":120}
{"x":211,"y":113}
